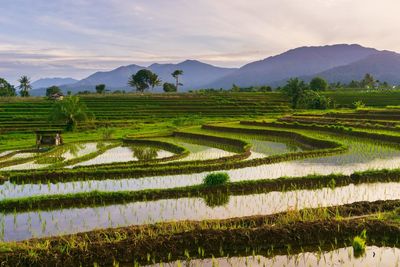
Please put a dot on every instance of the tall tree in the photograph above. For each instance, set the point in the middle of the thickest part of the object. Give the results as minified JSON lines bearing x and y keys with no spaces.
{"x":154,"y":80}
{"x":294,"y":88}
{"x":24,"y":86}
{"x":318,"y":84}
{"x":368,"y":81}
{"x":6,"y":89}
{"x":176,"y":75}
{"x":70,"y":111}
{"x":143,"y":80}
{"x":100,"y":88}
{"x":53,"y":90}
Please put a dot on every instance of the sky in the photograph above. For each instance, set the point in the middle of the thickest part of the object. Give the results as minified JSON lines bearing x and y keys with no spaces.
{"x":74,"y":38}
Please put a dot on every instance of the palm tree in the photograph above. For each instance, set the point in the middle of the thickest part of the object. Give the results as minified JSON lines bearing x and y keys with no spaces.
{"x":70,"y":111}
{"x":154,"y":80}
{"x":176,"y":75}
{"x":24,"y":85}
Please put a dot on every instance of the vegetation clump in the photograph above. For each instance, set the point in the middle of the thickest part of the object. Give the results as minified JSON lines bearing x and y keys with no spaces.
{"x":359,"y":244}
{"x":70,"y":111}
{"x":6,"y":89}
{"x":217,"y":178}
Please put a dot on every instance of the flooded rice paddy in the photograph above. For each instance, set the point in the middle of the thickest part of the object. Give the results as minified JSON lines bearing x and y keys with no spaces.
{"x":373,"y":257}
{"x":25,"y":225}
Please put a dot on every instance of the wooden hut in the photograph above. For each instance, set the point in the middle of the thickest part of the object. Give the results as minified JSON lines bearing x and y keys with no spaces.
{"x":57,"y":96}
{"x":48,"y":138}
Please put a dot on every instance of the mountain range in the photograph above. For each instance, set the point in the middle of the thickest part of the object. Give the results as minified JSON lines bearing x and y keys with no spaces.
{"x":336,"y":63}
{"x":47,"y":82}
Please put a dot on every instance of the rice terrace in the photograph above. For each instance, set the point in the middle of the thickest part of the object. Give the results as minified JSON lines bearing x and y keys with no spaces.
{"x":200,"y":177}
{"x":279,"y":145}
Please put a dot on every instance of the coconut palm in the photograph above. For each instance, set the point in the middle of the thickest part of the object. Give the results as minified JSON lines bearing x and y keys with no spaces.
{"x":70,"y":111}
{"x":176,"y":75}
{"x":24,"y":85}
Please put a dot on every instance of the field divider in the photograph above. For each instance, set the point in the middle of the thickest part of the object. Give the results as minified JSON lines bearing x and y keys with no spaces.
{"x":100,"y":198}
{"x":179,"y":153}
{"x":341,"y":130}
{"x":325,"y":148}
{"x":327,"y":227}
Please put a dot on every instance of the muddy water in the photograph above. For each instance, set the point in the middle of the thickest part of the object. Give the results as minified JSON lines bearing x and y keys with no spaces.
{"x":26,"y":225}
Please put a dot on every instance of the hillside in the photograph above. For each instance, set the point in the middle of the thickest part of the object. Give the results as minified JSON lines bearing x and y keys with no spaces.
{"x":196,"y":75}
{"x":384,"y":66}
{"x":293,"y":63}
{"x":47,"y":82}
{"x":336,"y":63}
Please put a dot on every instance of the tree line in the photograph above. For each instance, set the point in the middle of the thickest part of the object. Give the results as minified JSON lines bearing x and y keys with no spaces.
{"x":6,"y":89}
{"x":144,"y":80}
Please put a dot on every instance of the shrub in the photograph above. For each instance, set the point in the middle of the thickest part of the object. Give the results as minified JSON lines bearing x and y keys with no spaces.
{"x":358,"y":104}
{"x":312,"y":100}
{"x":217,"y":178}
{"x":107,"y":133}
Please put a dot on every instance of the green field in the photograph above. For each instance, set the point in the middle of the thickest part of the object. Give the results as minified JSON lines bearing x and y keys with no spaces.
{"x":213,"y":179}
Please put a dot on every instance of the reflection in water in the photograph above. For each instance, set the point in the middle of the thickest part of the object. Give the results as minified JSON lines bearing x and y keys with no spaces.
{"x":144,"y":153}
{"x":126,"y":154}
{"x":217,"y":199}
{"x":18,"y":226}
{"x":374,"y":256}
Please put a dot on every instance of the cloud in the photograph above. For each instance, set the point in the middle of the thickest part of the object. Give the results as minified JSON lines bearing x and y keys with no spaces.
{"x":75,"y":38}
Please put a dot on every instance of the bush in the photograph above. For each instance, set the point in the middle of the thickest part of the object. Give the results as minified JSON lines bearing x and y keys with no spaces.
{"x":358,"y":104}
{"x":312,"y":100}
{"x":217,"y":178}
{"x":107,"y":133}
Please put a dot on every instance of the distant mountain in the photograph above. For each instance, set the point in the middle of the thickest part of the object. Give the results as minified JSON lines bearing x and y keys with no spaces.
{"x":47,"y":82}
{"x":294,"y":63}
{"x":336,"y":63}
{"x":195,"y":75}
{"x":383,"y":66}
{"x":117,"y":78}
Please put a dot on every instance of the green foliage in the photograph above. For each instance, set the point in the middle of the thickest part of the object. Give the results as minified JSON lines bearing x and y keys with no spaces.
{"x":6,"y":89}
{"x":143,"y":80}
{"x":144,"y":153}
{"x":358,"y":104}
{"x":169,"y":87}
{"x":53,"y":90}
{"x":368,"y":81}
{"x":305,"y":97}
{"x":70,"y":111}
{"x":318,"y":84}
{"x":107,"y":133}
{"x":294,"y":88}
{"x":359,"y":244}
{"x":263,"y":88}
{"x":24,"y":86}
{"x":354,"y":84}
{"x":312,"y":100}
{"x":49,"y":160}
{"x":217,"y":178}
{"x":100,"y":88}
{"x":235,"y":88}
